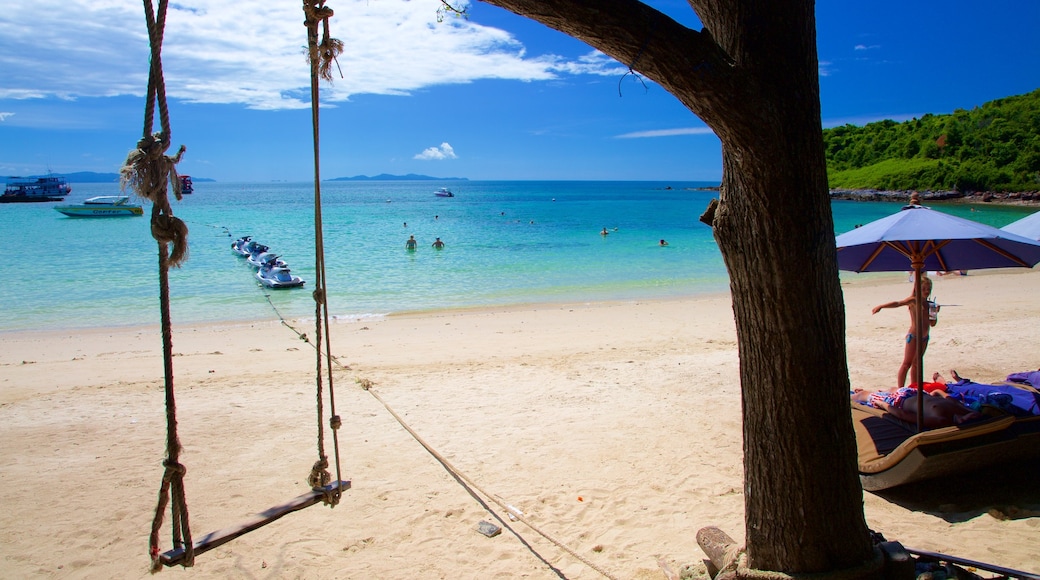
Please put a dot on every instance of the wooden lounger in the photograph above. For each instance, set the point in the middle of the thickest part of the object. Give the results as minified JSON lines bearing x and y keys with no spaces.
{"x":892,"y":454}
{"x":221,"y":537}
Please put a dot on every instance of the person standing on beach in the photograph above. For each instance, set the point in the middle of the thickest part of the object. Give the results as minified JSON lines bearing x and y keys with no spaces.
{"x":910,"y":354}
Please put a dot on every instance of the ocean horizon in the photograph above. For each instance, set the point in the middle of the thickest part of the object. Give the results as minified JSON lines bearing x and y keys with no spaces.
{"x":506,"y":243}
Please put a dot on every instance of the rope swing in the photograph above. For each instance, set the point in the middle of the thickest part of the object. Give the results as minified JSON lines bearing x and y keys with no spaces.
{"x":321,"y":56}
{"x":147,"y":171}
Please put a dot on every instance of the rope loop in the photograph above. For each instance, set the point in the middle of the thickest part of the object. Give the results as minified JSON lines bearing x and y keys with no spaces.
{"x":320,"y":476}
{"x":332,"y":496}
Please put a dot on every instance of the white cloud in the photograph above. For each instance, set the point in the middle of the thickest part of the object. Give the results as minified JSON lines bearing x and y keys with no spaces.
{"x":4,"y":115}
{"x":667,"y":133}
{"x":444,"y":151}
{"x":252,"y":52}
{"x":865,"y":47}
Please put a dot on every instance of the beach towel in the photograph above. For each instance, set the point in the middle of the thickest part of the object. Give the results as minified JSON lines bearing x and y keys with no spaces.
{"x":1031,"y":378}
{"x":1013,"y":400}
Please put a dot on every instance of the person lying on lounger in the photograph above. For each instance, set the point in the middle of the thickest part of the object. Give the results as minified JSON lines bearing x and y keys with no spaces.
{"x":902,"y":403}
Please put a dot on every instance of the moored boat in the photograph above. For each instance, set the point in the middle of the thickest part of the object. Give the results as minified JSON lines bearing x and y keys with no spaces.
{"x":35,"y":189}
{"x":444,"y":192}
{"x":186,"y":185}
{"x":276,"y":277}
{"x":238,"y":245}
{"x":102,"y":206}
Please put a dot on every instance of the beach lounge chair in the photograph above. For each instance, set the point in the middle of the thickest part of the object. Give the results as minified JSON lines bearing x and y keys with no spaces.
{"x":892,"y":453}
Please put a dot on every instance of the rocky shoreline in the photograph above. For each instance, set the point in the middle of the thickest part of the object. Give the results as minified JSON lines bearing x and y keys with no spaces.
{"x":1000,"y":198}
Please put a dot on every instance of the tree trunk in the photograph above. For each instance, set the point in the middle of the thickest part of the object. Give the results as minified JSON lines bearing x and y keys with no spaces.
{"x":753,"y":79}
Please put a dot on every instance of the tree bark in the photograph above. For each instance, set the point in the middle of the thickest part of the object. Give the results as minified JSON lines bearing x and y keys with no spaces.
{"x":751,"y":75}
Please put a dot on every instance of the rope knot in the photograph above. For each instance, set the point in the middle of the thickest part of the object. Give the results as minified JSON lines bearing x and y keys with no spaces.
{"x":335,"y":422}
{"x":320,"y":476}
{"x":167,"y":229}
{"x":173,"y":470}
{"x":323,"y":54}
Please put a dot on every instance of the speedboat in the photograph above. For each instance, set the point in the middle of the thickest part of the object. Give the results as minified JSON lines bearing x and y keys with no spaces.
{"x":277,"y":277}
{"x":103,"y":206}
{"x":444,"y":192}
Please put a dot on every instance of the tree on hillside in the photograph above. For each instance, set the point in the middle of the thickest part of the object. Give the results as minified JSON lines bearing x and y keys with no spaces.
{"x":751,"y":75}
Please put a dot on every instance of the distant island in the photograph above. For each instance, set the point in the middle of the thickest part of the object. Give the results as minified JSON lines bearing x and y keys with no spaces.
{"x":388,"y":177}
{"x":93,"y":177}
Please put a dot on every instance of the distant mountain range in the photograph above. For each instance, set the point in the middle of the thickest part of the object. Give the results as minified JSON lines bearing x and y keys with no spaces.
{"x":93,"y":177}
{"x":388,"y":177}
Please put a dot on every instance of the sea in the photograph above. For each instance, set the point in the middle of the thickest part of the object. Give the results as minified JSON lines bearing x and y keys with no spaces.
{"x":506,"y":243}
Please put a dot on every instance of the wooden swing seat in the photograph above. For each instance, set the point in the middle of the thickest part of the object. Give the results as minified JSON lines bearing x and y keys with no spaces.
{"x":214,"y":539}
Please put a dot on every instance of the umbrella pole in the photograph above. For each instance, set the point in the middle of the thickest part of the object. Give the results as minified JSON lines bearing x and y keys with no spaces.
{"x":919,"y":323}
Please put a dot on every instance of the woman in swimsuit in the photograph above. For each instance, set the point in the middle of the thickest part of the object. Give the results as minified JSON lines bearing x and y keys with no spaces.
{"x":910,"y":355}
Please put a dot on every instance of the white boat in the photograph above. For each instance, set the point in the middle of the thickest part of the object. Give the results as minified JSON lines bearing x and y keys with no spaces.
{"x":444,"y":192}
{"x":249,"y":248}
{"x":238,"y":245}
{"x":276,"y":277}
{"x":266,"y":259}
{"x":102,"y":206}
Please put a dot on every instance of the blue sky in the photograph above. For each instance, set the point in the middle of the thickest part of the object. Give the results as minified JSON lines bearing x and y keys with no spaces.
{"x":491,"y":97}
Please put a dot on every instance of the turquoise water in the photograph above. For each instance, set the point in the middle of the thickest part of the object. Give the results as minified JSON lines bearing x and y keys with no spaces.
{"x":505,"y":243}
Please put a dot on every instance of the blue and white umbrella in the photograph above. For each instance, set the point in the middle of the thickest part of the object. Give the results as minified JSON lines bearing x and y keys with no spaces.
{"x":921,"y":239}
{"x":1027,"y":227}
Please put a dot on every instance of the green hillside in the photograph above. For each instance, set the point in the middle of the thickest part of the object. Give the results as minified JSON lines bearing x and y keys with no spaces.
{"x":995,"y":147}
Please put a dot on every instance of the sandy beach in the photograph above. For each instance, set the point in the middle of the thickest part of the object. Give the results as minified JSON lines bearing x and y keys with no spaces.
{"x":614,"y":427}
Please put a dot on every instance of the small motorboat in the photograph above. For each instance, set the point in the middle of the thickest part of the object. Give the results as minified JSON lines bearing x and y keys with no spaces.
{"x":278,"y":277}
{"x":102,"y":206}
{"x":238,"y":245}
{"x":267,"y":259}
{"x":250,"y":248}
{"x":187,"y":187}
{"x":444,"y":192}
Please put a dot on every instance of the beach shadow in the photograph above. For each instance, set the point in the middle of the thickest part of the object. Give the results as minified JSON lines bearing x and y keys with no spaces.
{"x":1004,"y":492}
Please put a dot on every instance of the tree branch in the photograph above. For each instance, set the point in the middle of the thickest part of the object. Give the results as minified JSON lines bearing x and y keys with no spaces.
{"x":650,"y":43}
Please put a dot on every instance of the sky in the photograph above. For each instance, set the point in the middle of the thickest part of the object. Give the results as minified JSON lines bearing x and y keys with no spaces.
{"x":489,"y":97}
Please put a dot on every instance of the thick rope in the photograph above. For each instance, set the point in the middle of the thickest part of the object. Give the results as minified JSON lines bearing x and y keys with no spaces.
{"x":321,"y":57}
{"x":515,"y":513}
{"x":146,"y":171}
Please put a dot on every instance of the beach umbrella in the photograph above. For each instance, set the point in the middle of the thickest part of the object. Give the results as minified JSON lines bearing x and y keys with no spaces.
{"x":1027,"y":227}
{"x":919,"y":239}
